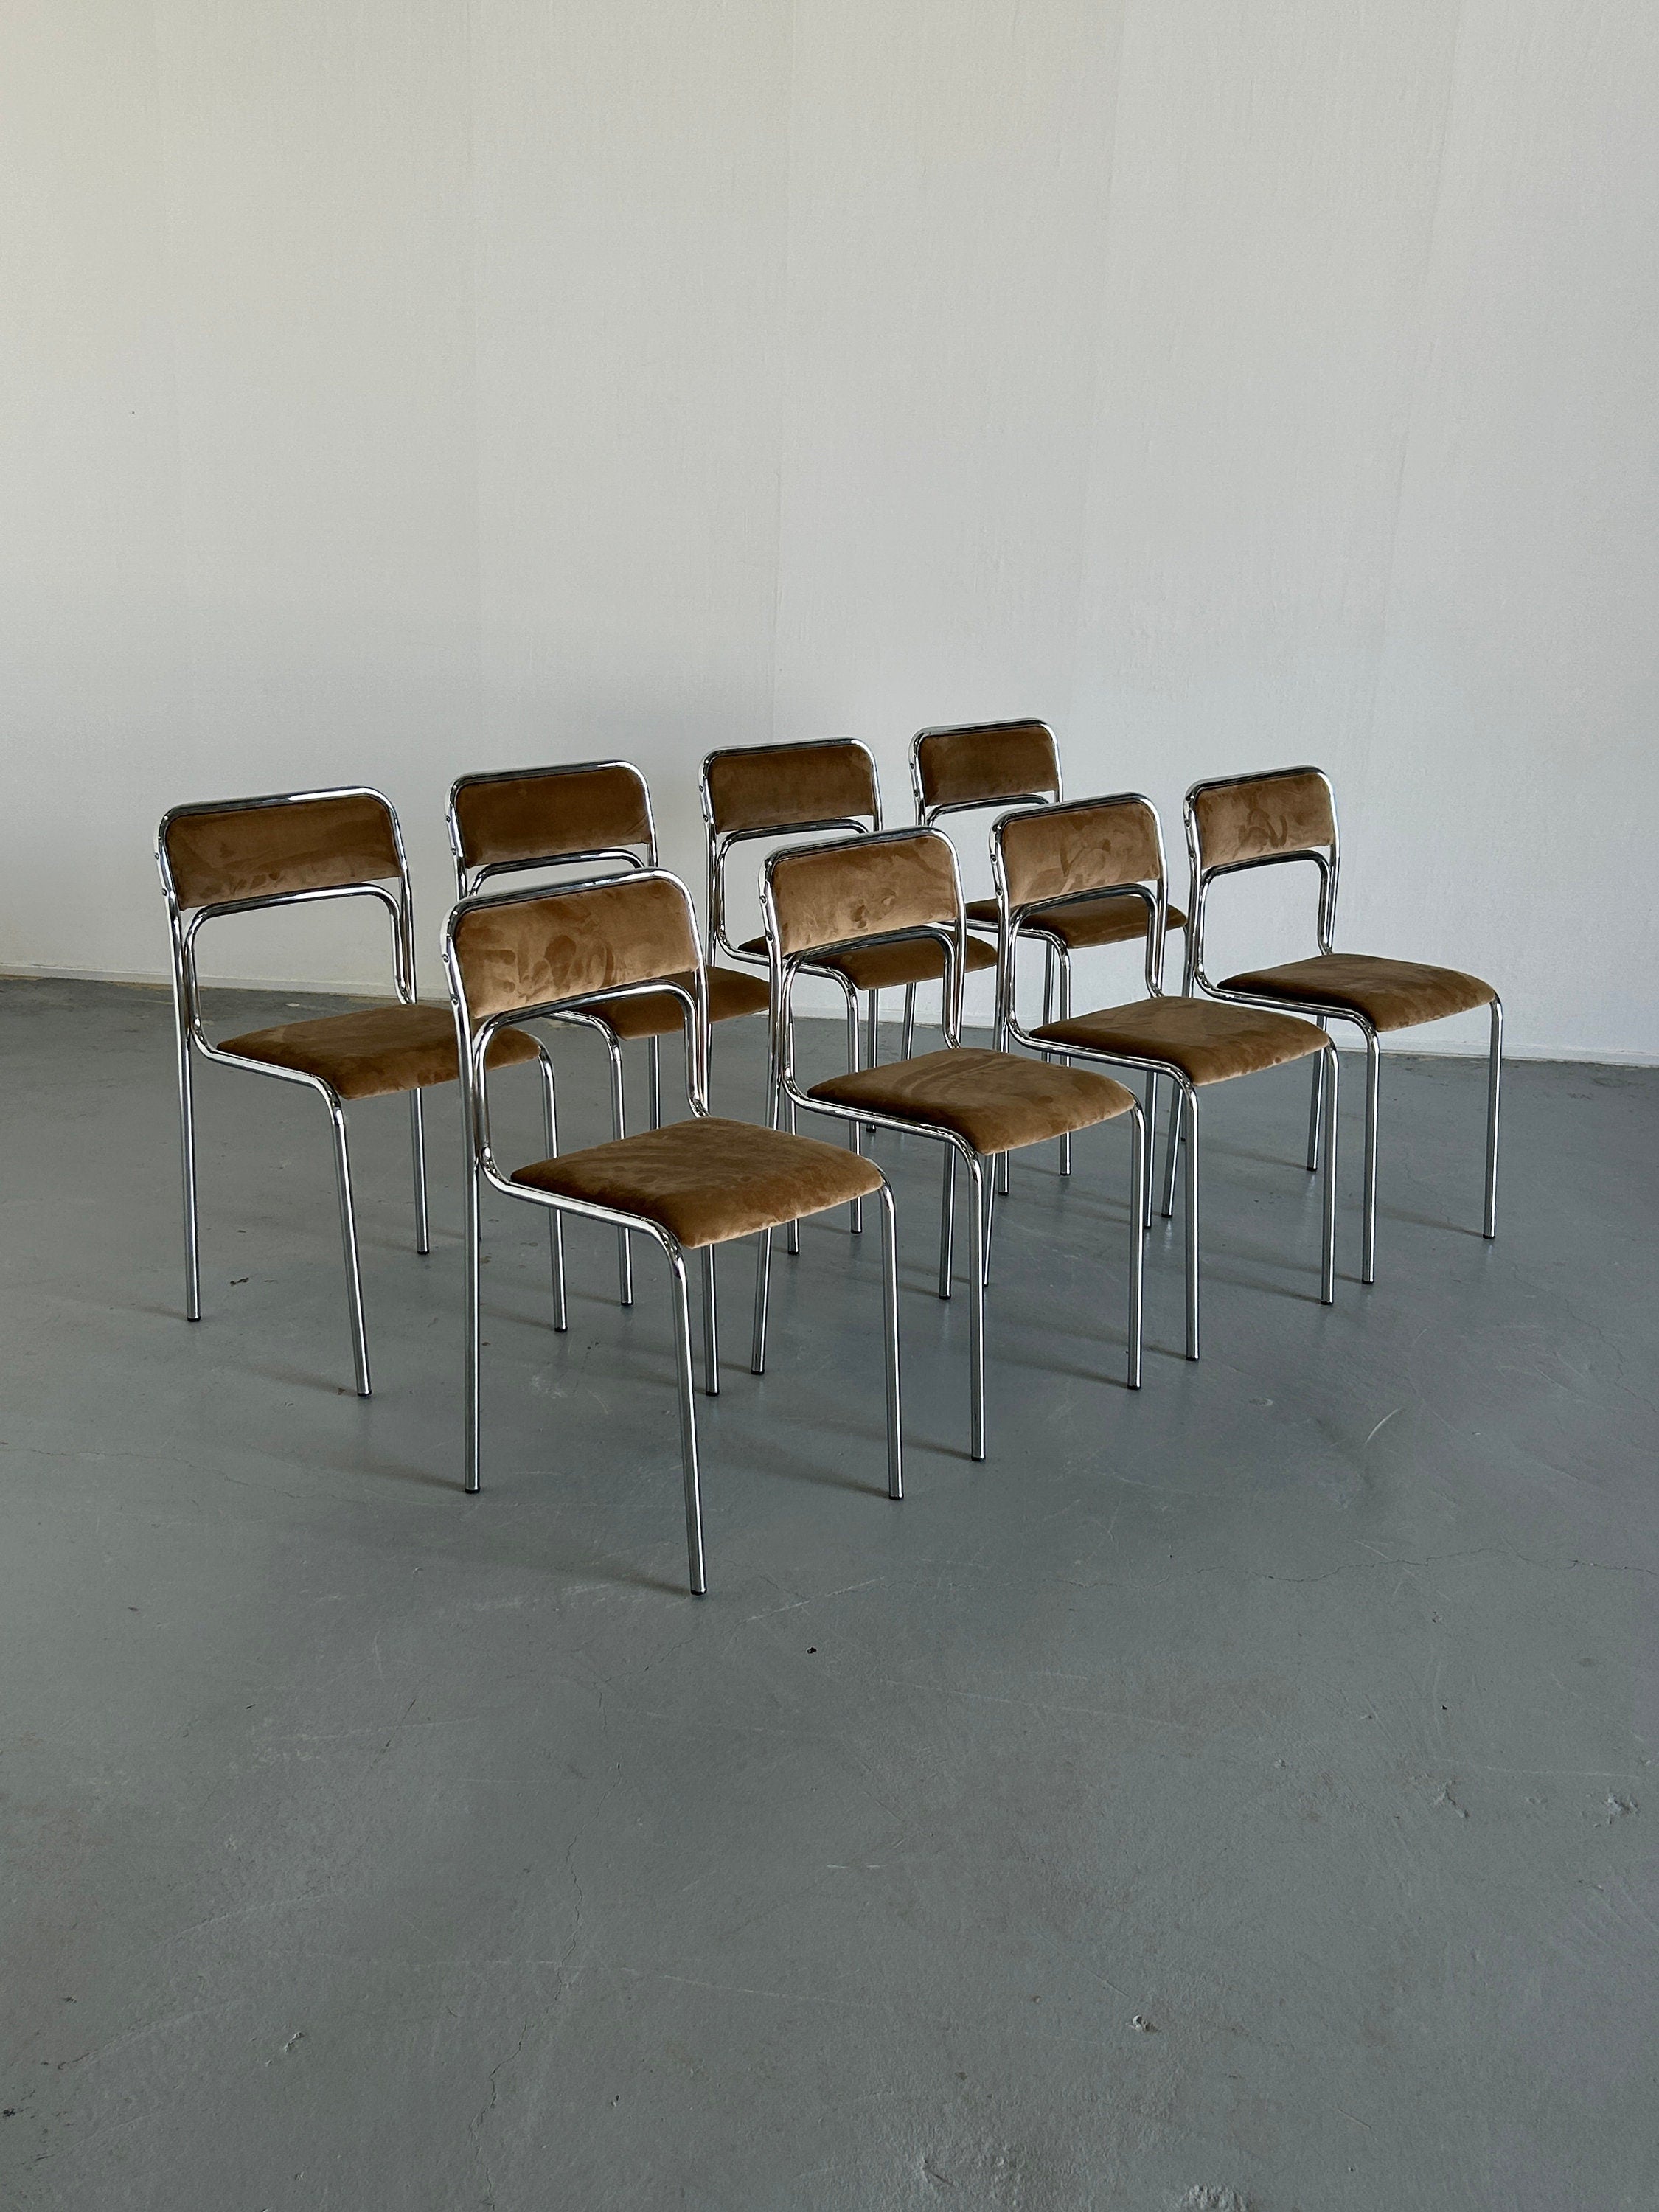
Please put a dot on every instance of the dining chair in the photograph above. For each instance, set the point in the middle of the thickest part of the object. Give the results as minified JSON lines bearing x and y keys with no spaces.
{"x":581,"y":815}
{"x":292,"y":848}
{"x":1047,"y":857}
{"x":867,"y":896}
{"x":689,"y":1186}
{"x":1239,"y":822}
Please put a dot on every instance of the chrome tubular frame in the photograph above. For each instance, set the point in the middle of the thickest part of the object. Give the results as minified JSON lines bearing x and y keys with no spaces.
{"x":482,"y":1169}
{"x":1184,"y":1115}
{"x":1322,"y":1105}
{"x":786,"y":968}
{"x":471,"y":877}
{"x":190,"y":1039}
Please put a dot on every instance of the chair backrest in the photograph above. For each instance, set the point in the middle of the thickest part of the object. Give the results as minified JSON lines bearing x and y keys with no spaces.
{"x":1236,"y":822}
{"x":536,"y":817}
{"x":1051,"y":853}
{"x":752,"y":789}
{"x":255,"y":851}
{"x":973,"y":765}
{"x":535,"y":950}
{"x":902,"y":883}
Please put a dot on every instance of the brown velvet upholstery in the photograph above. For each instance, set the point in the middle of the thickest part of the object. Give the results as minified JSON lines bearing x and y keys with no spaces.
{"x":300,"y":845}
{"x":1114,"y":919}
{"x":1003,"y":760}
{"x":548,"y":812}
{"x":366,"y":1056}
{"x":563,"y":945}
{"x":1261,"y":814}
{"x":1391,"y":994}
{"x":993,"y":1100}
{"x":657,"y":1013}
{"x":825,"y":894}
{"x":1208,"y":1042}
{"x":773,"y":787}
{"x":1098,"y":844}
{"x":887,"y":966}
{"x":706,"y":1181}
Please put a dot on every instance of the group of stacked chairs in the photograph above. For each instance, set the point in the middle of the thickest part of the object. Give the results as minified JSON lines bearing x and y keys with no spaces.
{"x":618,"y":952}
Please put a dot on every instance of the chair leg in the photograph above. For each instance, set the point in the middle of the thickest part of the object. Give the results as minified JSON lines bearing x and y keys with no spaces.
{"x":472,"y":1414}
{"x":855,"y":1129}
{"x":1150,"y":1141}
{"x":991,"y":1212}
{"x":417,"y":1153}
{"x":688,"y":1425}
{"x":1315,"y":1108}
{"x":907,"y":1034}
{"x":1494,"y":1081}
{"x":872,"y":1007}
{"x":976,"y":1309}
{"x":947,"y":1222}
{"x":555,"y":1219}
{"x":618,"y":1130}
{"x":1368,"y":1225}
{"x":1327,"y":1255}
{"x":711,"y":1340}
{"x":1189,"y":1128}
{"x":794,"y":1240}
{"x":187,"y":1164}
{"x":1172,"y":1142}
{"x":653,"y":1062}
{"x":349,"y":1243}
{"x":1066,"y":1015}
{"x":891,"y":1342}
{"x":762,"y":1287}
{"x":1137,"y":1238}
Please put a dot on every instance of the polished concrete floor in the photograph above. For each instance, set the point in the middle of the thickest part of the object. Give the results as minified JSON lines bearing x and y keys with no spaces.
{"x":1235,"y":1795}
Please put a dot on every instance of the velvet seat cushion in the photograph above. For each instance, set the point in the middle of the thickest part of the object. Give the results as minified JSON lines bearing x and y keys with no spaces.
{"x":707,"y":1181}
{"x":658,"y":1013}
{"x":887,"y":966}
{"x":383,"y":1049}
{"x":1112,"y":918}
{"x":1390,"y":995}
{"x":1208,"y":1042}
{"x":995,"y":1101}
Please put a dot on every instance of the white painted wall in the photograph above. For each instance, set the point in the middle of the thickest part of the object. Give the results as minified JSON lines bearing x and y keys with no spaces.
{"x":395,"y":386}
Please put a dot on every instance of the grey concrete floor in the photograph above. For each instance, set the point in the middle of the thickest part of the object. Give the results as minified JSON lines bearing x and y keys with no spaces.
{"x":1234,"y":1794}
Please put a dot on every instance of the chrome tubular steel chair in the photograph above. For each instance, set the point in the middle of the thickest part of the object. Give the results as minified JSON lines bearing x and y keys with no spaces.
{"x":1053,"y":855}
{"x":584,"y":815}
{"x":829,"y":785}
{"x":824,"y":903}
{"x":1240,"y":822}
{"x":244,"y":855}
{"x":689,"y":1186}
{"x":965,"y":768}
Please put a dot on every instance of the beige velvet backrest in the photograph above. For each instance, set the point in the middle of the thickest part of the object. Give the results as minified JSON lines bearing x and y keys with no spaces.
{"x":1256,"y":818}
{"x":978,"y":765}
{"x":776,"y":786}
{"x":268,"y":848}
{"x":541,"y":949}
{"x":835,"y":893}
{"x":542,"y":813}
{"x":1089,"y":845}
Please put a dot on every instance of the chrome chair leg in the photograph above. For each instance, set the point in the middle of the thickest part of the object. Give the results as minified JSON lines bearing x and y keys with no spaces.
{"x":990,"y":1214}
{"x":1315,"y":1108}
{"x":1189,"y":1131}
{"x":555,"y":1219}
{"x":1327,"y":1254}
{"x":890,"y":1341}
{"x":1137,"y":1239}
{"x":1173,"y":1144}
{"x":794,"y":1240}
{"x":907,"y":1034}
{"x":711,"y":1340}
{"x":855,"y":1129}
{"x":417,"y":1153}
{"x":348,"y":1243}
{"x":1494,"y":1081}
{"x":1064,"y":1015}
{"x":619,"y":1130}
{"x":1368,"y":1225}
{"x":762,"y":1287}
{"x":1149,"y":1139}
{"x":947,"y":1222}
{"x":187,"y":1163}
{"x":471,"y":1387}
{"x":653,"y":1061}
{"x":976,"y":1308}
{"x":688,"y":1424}
{"x":872,"y":1005}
